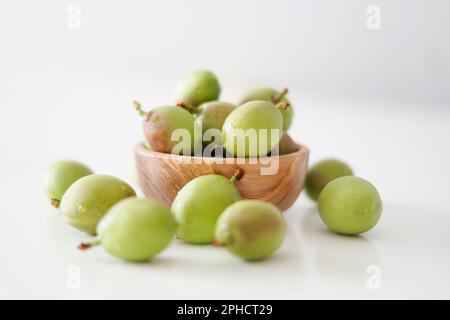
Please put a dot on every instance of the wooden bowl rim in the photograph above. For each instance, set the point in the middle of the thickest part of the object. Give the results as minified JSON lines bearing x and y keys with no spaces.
{"x":302,"y":149}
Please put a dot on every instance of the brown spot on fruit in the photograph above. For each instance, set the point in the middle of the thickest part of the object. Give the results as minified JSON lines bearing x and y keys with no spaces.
{"x":148,"y":116}
{"x":157,"y":134}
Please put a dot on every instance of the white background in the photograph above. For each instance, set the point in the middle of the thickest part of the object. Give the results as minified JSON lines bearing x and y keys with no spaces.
{"x":378,"y":99}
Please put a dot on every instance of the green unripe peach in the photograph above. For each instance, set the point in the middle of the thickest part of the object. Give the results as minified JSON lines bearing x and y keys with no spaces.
{"x":241,"y":132}
{"x":198,"y":205}
{"x":251,"y":229}
{"x":350,"y":205}
{"x":88,"y":199}
{"x":274,"y":96}
{"x":60,"y":176}
{"x":136,"y":229}
{"x":160,"y":124}
{"x":197,"y":87}
{"x":213,"y":114}
{"x":324,"y":172}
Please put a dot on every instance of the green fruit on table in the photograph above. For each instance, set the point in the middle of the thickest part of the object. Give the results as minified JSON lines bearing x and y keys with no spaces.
{"x":251,"y":229}
{"x":213,"y":114}
{"x":197,"y":87}
{"x":198,"y":205}
{"x":274,"y":96}
{"x":60,"y":176}
{"x":241,"y":131}
{"x":160,"y":123}
{"x":350,"y":205}
{"x":322,"y":173}
{"x":89,"y":198}
{"x":136,"y":229}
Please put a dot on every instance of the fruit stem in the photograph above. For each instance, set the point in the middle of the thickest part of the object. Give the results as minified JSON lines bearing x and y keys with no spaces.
{"x":217,"y":243}
{"x":283,"y":105}
{"x":137,"y":105}
{"x":238,"y":175}
{"x":280,"y":95}
{"x":55,"y":202}
{"x":87,"y":245}
{"x":183,"y":105}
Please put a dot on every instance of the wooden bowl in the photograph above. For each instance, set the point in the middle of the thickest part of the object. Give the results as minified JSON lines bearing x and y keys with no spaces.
{"x":162,"y":175}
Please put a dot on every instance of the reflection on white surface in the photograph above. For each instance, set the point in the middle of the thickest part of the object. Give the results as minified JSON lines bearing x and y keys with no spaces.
{"x":338,"y":258}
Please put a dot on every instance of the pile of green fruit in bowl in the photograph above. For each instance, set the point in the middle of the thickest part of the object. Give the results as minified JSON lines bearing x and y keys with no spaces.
{"x":209,"y":121}
{"x":209,"y":209}
{"x":200,"y":134}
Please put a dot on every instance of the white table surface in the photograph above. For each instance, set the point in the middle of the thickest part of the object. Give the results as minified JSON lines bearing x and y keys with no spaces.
{"x":402,"y":149}
{"x":377,"y":99}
